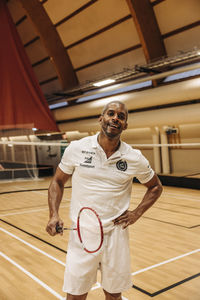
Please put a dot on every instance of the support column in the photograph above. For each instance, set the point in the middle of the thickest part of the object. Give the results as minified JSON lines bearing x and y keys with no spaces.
{"x":164,"y":151}
{"x":12,"y":150}
{"x":33,"y":158}
{"x":156,"y":149}
{"x":4,"y":149}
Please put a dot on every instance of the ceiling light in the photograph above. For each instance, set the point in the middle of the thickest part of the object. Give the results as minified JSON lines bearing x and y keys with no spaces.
{"x":103,"y":82}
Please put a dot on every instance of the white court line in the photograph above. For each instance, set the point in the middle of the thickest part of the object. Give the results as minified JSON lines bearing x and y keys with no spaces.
{"x":39,"y":192}
{"x":30,"y":211}
{"x":98,"y":284}
{"x":165,"y":262}
{"x":33,"y":247}
{"x":24,"y":212}
{"x":179,"y":197}
{"x":166,"y":194}
{"x":133,"y":274}
{"x":44,"y":285}
{"x":24,"y":190}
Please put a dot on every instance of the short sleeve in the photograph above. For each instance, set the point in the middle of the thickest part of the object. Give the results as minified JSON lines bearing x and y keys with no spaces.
{"x":67,"y":162}
{"x":145,"y":172}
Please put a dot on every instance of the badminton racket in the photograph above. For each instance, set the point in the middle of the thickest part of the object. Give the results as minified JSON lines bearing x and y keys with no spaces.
{"x":89,"y":229}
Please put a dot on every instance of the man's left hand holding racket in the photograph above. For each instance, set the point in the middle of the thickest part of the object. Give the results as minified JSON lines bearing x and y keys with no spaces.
{"x":55,"y":194}
{"x":54,"y":223}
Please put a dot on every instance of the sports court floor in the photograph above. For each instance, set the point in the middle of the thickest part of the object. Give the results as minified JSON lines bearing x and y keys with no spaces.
{"x":165,"y":245}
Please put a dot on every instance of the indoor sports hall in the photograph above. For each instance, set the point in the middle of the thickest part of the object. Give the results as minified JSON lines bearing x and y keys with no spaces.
{"x":61,"y":62}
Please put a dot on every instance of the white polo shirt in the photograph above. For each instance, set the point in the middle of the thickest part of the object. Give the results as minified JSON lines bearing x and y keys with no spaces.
{"x":102,"y":183}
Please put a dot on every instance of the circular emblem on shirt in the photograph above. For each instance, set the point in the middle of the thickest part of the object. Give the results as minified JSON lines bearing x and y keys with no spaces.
{"x":121,"y":165}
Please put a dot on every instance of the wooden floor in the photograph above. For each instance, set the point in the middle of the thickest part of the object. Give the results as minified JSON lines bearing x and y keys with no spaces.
{"x":165,"y":245}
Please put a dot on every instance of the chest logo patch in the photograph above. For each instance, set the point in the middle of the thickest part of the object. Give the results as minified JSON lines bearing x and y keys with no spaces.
{"x":121,"y":165}
{"x":88,"y":160}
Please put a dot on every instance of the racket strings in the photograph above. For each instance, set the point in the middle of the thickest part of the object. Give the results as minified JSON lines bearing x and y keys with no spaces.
{"x":90,"y":230}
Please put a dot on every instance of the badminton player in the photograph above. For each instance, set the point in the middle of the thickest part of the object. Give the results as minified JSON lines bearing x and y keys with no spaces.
{"x":102,"y":169}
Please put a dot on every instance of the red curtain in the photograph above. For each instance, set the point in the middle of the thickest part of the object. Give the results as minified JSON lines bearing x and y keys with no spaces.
{"x":21,"y":100}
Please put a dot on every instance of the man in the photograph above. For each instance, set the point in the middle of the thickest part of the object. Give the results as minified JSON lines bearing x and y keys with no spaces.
{"x":102,"y":169}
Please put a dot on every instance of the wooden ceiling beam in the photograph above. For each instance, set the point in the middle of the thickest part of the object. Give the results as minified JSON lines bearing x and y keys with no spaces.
{"x":52,"y":42}
{"x":147,"y":28}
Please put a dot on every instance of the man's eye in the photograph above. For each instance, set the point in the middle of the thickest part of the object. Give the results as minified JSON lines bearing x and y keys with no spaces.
{"x":110,"y":113}
{"x":121,"y":117}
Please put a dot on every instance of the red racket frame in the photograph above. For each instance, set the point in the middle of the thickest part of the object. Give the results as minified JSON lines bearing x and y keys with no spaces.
{"x":79,"y":233}
{"x":60,"y":229}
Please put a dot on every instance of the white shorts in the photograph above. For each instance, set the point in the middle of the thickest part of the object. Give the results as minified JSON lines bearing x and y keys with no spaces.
{"x":113,"y":259}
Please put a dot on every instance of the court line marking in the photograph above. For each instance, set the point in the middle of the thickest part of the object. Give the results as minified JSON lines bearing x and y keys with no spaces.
{"x":97,"y":286}
{"x":31,"y":246}
{"x":97,"y":283}
{"x":32,"y":235}
{"x":133,"y":274}
{"x":19,"y":189}
{"x":41,"y":193}
{"x":186,"y":198}
{"x":36,"y":279}
{"x":30,"y":211}
{"x":166,"y":194}
{"x":176,"y":211}
{"x":165,"y":262}
{"x":167,"y":288}
{"x":137,"y":192}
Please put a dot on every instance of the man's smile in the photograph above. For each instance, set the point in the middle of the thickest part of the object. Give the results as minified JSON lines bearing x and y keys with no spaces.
{"x":114,"y":126}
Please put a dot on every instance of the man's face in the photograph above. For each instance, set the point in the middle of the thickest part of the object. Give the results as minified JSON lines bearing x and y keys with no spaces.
{"x":114,"y":120}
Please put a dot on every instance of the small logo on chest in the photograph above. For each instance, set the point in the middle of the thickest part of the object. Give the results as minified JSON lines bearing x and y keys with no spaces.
{"x":88,"y":160}
{"x":121,"y":165}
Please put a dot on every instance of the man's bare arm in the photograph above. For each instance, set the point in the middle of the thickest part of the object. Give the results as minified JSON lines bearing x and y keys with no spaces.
{"x":55,"y":193}
{"x":154,"y":190}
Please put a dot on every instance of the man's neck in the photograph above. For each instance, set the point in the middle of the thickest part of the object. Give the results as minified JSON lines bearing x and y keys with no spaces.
{"x":109,"y":145}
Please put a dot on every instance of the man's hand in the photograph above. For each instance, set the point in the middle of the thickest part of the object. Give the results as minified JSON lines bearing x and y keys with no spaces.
{"x":126,"y":219}
{"x":51,"y":226}
{"x":154,"y":190}
{"x":55,"y":193}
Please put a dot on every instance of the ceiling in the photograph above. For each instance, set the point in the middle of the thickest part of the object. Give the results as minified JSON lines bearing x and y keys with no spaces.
{"x":71,"y":44}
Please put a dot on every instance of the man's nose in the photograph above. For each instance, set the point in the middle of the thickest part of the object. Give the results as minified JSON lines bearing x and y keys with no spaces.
{"x":115,"y":117}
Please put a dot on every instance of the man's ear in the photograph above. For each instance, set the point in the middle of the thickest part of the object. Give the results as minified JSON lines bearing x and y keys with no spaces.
{"x":100,"y":118}
{"x":126,"y":126}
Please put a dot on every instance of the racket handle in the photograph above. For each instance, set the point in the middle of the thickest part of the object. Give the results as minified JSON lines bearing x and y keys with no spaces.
{"x":59,"y":228}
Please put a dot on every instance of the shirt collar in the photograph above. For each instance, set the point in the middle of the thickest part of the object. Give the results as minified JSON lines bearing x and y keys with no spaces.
{"x":118,"y":153}
{"x":94,"y":141}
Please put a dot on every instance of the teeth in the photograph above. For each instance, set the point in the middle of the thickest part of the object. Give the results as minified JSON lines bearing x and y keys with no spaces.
{"x":113,"y":126}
